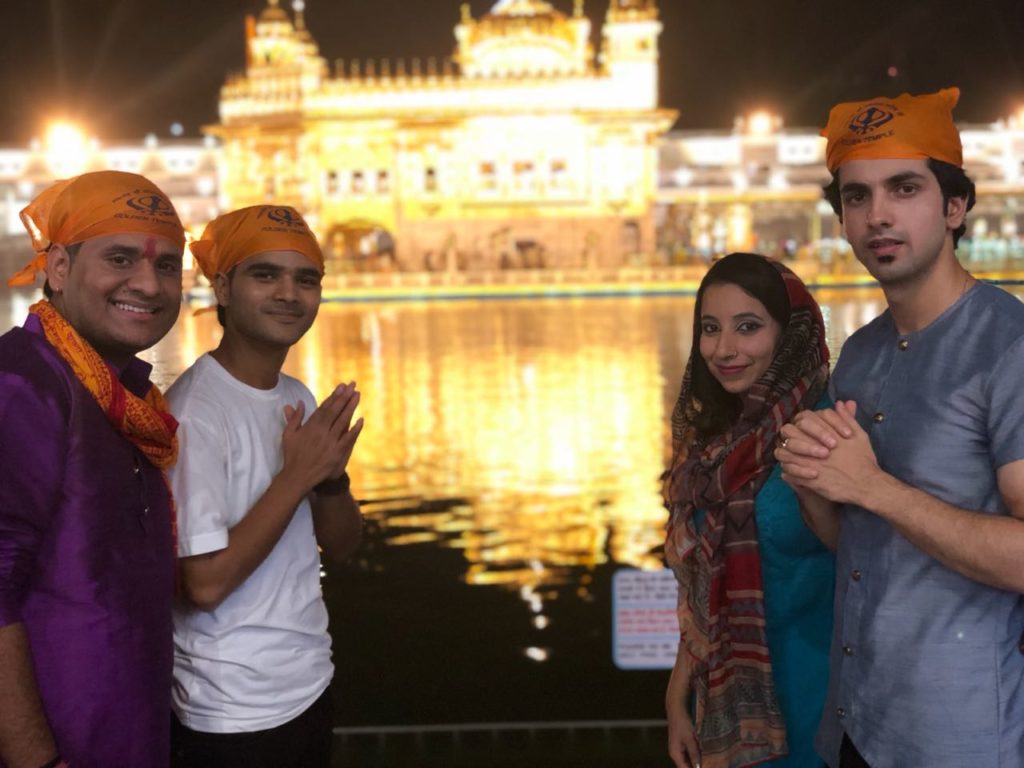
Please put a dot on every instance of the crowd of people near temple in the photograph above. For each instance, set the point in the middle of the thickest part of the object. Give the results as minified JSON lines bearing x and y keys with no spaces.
{"x":847,"y":539}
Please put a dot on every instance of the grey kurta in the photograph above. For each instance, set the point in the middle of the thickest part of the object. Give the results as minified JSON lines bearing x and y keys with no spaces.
{"x":927,"y":667}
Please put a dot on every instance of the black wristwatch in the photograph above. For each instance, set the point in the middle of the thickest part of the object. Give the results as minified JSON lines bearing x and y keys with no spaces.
{"x":334,"y":487}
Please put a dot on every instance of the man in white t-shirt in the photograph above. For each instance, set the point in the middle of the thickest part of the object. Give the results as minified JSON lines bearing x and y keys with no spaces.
{"x":259,"y":484}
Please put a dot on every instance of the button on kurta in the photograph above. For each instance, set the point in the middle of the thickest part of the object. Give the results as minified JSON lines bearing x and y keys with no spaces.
{"x":840,"y":712}
{"x":856,"y":575}
{"x":847,"y":650}
{"x":903,"y":345}
{"x":878,"y":418}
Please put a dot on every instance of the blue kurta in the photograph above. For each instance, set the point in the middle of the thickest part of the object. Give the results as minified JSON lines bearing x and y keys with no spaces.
{"x":799,"y":577}
{"x":927,"y":664}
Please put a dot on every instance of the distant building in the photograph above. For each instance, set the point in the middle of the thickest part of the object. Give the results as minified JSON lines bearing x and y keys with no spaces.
{"x":523,"y":150}
{"x":759,"y":187}
{"x":184,"y":168}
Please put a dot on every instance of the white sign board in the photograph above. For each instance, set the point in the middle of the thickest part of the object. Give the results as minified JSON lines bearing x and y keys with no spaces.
{"x":645,"y":630}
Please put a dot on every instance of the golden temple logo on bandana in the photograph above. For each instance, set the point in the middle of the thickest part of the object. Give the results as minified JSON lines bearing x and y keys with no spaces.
{"x":871,"y":123}
{"x":154,"y":205}
{"x":142,"y":204}
{"x":285,"y":216}
{"x":871,"y":118}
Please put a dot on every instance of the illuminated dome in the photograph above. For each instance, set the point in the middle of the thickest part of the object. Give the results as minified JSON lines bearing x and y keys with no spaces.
{"x":531,"y":8}
{"x":520,"y":37}
{"x":274,"y":40}
{"x":274,"y":14}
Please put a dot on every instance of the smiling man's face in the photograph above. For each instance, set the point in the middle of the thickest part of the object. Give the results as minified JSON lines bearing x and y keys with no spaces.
{"x":271,"y":298}
{"x":121,"y":293}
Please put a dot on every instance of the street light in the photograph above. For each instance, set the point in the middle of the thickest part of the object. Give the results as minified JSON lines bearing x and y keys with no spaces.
{"x":66,"y":147}
{"x":763,"y":123}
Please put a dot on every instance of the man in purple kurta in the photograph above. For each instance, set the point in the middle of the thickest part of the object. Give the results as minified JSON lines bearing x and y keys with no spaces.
{"x":86,"y":519}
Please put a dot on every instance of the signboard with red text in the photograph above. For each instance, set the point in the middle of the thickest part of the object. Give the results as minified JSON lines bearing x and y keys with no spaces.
{"x":645,"y":631}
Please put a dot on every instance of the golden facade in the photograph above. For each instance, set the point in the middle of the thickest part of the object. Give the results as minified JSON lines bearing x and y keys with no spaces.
{"x":522,"y":150}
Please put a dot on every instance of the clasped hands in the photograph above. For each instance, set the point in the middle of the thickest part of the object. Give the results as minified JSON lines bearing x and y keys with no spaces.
{"x":827,"y":452}
{"x":320,"y":448}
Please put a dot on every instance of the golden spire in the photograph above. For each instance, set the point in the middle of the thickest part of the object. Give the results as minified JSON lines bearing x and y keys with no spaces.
{"x":273,"y":12}
{"x":301,"y":32}
{"x":522,"y":8}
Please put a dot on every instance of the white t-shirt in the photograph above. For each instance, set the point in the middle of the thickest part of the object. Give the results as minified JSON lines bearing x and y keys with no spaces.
{"x":263,"y":656}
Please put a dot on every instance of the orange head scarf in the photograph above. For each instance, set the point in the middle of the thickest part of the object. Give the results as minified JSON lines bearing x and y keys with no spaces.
{"x":904,"y":127}
{"x":230,"y":239}
{"x":94,"y":205}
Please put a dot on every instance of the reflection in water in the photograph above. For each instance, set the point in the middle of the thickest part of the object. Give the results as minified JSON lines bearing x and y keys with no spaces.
{"x":527,"y":435}
{"x":509,"y":465}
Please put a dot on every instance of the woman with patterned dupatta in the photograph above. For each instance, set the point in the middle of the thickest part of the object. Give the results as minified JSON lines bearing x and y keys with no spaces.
{"x":755,"y":585}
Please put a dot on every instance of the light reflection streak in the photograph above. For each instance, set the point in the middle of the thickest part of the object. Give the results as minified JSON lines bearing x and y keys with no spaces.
{"x":537,"y":654}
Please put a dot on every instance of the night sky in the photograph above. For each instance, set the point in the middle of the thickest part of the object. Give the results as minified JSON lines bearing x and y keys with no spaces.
{"x":126,"y":68}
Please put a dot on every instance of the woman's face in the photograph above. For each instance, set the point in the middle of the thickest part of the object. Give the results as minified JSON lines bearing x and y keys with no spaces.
{"x":738,"y":338}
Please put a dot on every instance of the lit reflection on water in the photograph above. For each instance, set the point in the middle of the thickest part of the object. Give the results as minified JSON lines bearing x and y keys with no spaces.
{"x":527,"y":435}
{"x":515,"y":444}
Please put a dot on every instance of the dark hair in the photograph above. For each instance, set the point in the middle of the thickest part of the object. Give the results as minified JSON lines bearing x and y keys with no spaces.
{"x":72,"y":251}
{"x":755,"y":275}
{"x":220,"y":308}
{"x":953,"y":182}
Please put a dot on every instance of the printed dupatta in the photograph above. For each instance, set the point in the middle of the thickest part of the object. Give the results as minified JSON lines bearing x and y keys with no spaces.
{"x":721,"y":592}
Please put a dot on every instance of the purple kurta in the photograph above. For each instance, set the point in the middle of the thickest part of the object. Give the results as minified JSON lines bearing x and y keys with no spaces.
{"x":86,"y":560}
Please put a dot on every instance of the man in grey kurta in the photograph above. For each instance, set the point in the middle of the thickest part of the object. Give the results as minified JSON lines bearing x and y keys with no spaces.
{"x":917,"y":475}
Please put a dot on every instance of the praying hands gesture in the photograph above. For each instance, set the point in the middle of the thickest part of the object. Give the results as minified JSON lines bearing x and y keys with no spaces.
{"x":828,"y":460}
{"x":829,"y":454}
{"x":320,"y":448}
{"x":314,"y":451}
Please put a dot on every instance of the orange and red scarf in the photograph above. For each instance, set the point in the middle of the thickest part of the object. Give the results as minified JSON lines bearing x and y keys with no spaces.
{"x":146,"y":422}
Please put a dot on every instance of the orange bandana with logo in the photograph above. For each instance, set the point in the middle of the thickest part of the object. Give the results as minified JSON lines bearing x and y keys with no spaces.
{"x":904,"y":127}
{"x":230,"y":239}
{"x":94,"y":205}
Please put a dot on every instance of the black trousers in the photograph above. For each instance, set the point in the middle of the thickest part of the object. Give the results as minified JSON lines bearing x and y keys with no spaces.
{"x":304,"y":742}
{"x":849,"y":757}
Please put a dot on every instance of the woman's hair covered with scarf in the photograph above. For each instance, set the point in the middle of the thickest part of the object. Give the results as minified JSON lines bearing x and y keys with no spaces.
{"x":723,"y":453}
{"x":755,"y":275}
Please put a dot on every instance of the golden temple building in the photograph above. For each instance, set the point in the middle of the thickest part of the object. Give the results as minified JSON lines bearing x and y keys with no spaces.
{"x":523,"y":150}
